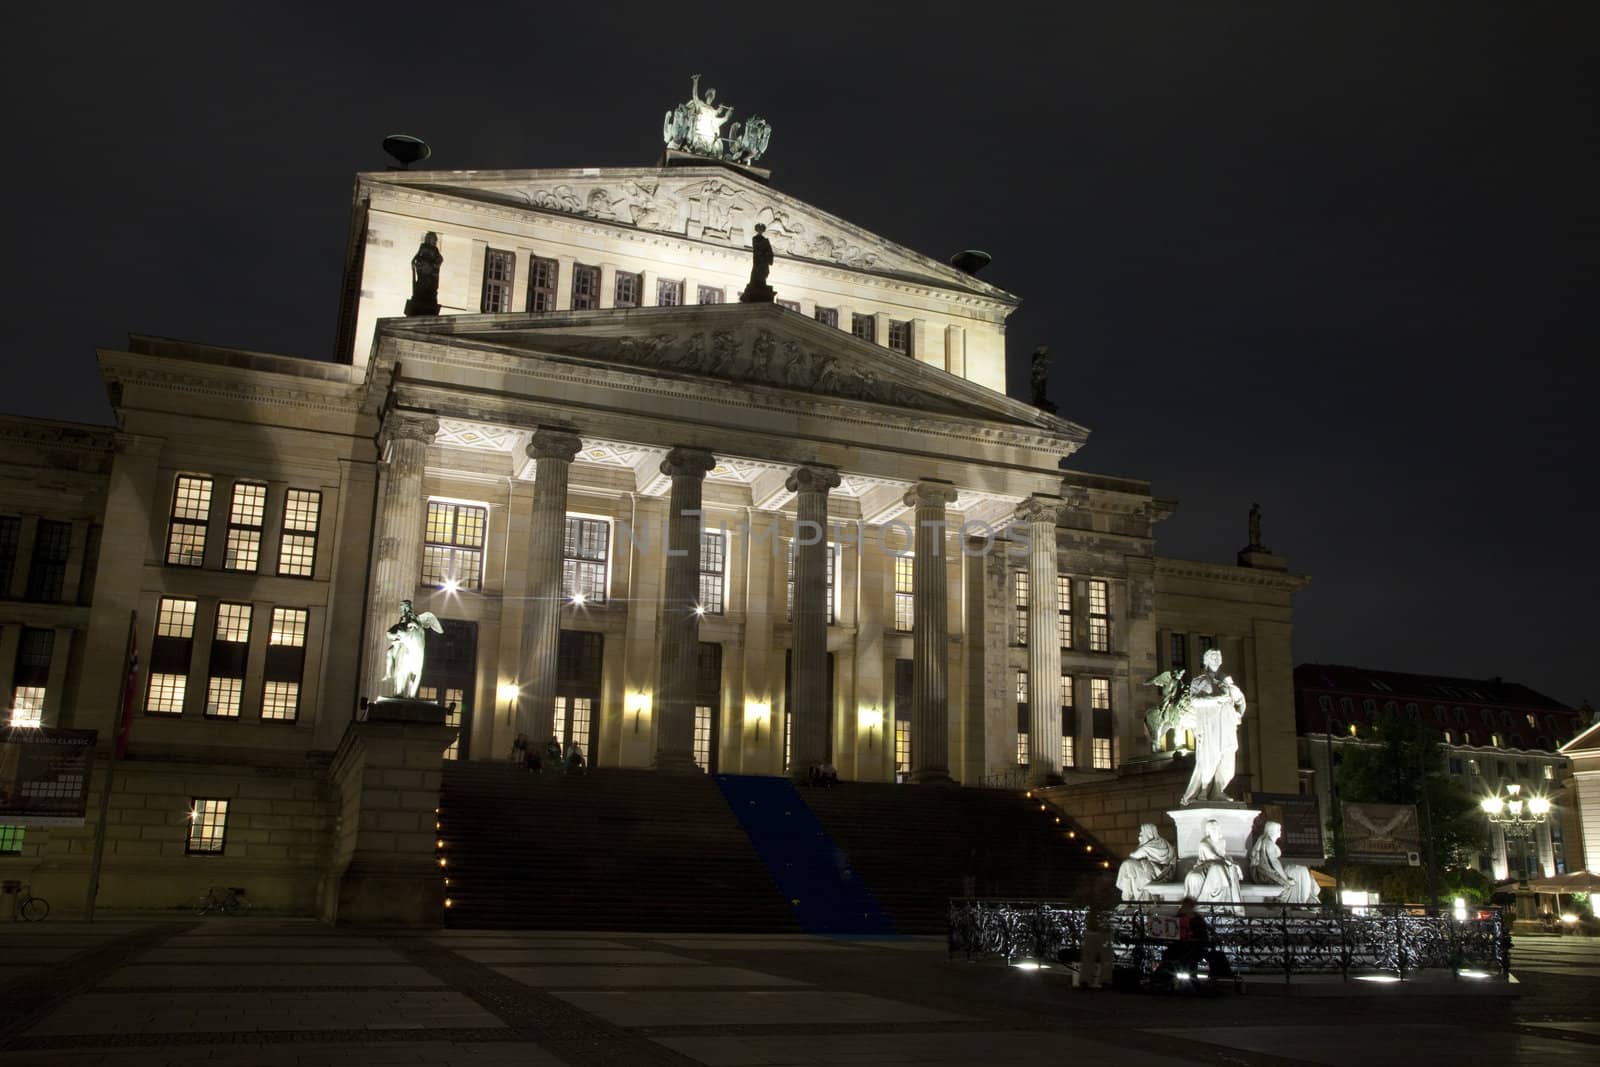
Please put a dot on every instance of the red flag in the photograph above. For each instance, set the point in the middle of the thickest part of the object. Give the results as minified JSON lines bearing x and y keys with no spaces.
{"x":130,"y":686}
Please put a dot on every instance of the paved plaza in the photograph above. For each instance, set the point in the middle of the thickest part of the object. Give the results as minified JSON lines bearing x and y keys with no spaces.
{"x":291,"y":992}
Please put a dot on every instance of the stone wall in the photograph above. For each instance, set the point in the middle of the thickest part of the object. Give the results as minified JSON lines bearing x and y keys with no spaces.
{"x":1111,"y":808}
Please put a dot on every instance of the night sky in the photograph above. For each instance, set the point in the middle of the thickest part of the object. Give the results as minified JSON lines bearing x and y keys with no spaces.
{"x":1340,"y":259}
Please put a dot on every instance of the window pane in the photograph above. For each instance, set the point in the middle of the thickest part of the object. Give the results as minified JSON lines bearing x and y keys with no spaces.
{"x":191,"y":510}
{"x":702,"y":738}
{"x":288,"y":627}
{"x":208,"y":821}
{"x":27,"y":705}
{"x":233,"y":622}
{"x":864,"y":327}
{"x":709,"y":295}
{"x":902,"y":745}
{"x":668,"y":293}
{"x":166,"y":694}
{"x":192,"y":499}
{"x":280,"y":701}
{"x":175,"y":618}
{"x":222,"y":697}
{"x":900,"y":337}
{"x":828,"y":316}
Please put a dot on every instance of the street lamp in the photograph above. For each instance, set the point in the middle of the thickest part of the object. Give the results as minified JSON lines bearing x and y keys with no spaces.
{"x":1518,"y":817}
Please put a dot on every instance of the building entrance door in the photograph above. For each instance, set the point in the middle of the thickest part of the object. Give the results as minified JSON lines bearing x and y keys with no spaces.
{"x":578,"y":667}
{"x":708,"y":707}
{"x":450,"y":675}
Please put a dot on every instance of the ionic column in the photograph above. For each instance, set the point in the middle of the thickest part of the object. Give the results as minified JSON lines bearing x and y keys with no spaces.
{"x":680,"y":625}
{"x":930,"y":697}
{"x":808,"y":691}
{"x":552,"y":451}
{"x":397,"y":563}
{"x":1038,"y":515}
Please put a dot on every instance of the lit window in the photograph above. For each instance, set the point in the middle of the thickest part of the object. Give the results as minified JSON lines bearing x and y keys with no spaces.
{"x":1068,"y":752}
{"x":222,"y":698}
{"x":170,"y":656}
{"x":828,"y":316}
{"x":865,"y":327}
{"x":1064,"y":610}
{"x":452,"y":547}
{"x":175,"y":618}
{"x":1022,"y":687}
{"x":585,"y":287}
{"x":499,"y":271}
{"x":1472,"y":766}
{"x":902,"y":746}
{"x":233,"y":622}
{"x":453,"y":702}
{"x":1549,"y":772}
{"x":280,"y":701}
{"x":166,"y":694}
{"x":1102,"y":754}
{"x":243,"y":550}
{"x":286,"y":651}
{"x":1022,"y":747}
{"x":1019,"y":607}
{"x":542,"y":279}
{"x":1100,"y":694}
{"x":230,"y":647}
{"x":831,"y":554}
{"x":191,"y":510}
{"x":669,"y":294}
{"x":1497,"y":741}
{"x":11,"y":840}
{"x":208,"y":824}
{"x":904,"y":600}
{"x":288,"y":628}
{"x":900,"y":337}
{"x":626,"y":291}
{"x":709,"y":295}
{"x":582,"y":714}
{"x":713,"y":567}
{"x":27,"y":705}
{"x":52,"y":543}
{"x":1447,"y":737}
{"x":584,"y":557}
{"x":702,"y":737}
{"x":297,"y":548}
{"x":1099,"y":617}
{"x":35,"y":648}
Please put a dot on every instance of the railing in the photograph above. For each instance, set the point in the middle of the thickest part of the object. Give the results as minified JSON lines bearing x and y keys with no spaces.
{"x":1016,"y":778}
{"x":1256,"y":938}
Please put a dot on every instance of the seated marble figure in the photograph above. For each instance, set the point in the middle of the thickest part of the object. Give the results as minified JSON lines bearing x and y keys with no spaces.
{"x":1151,"y":862}
{"x":1267,"y":868}
{"x":1214,"y":878}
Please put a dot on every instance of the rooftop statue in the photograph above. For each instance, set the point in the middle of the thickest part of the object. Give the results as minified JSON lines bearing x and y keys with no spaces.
{"x":1255,"y":527}
{"x":425,"y":277}
{"x":758,"y":291}
{"x":1218,"y":707}
{"x":695,"y":126}
{"x":407,"y":641}
{"x":1173,"y":713}
{"x":1039,"y":379}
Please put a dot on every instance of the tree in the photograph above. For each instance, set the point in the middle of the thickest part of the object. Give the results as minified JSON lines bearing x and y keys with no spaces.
{"x":1405,"y":763}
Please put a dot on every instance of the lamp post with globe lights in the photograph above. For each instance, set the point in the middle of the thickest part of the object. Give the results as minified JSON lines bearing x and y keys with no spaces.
{"x":1519,"y":817}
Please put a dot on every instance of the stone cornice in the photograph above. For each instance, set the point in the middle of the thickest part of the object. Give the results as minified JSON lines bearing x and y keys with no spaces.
{"x":23,"y":432}
{"x":1221,"y":572}
{"x":234,"y":384}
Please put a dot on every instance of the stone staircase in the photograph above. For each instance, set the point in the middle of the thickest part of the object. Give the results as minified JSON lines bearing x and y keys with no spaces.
{"x":616,"y":849}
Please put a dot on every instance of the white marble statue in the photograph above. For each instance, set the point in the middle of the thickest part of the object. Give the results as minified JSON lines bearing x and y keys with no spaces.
{"x":407,"y":639}
{"x":1214,"y":878}
{"x":1267,"y":868}
{"x":1152,"y":861}
{"x":1217,"y":706}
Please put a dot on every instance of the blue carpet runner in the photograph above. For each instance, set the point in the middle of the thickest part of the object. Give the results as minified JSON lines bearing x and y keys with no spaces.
{"x":811,"y":871}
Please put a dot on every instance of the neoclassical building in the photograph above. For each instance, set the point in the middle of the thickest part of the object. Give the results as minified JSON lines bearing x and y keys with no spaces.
{"x":681,"y":531}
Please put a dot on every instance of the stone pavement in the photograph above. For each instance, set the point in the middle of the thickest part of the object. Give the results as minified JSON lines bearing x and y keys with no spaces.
{"x":130,"y":993}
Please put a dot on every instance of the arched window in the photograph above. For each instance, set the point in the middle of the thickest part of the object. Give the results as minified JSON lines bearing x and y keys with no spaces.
{"x":1447,"y":737}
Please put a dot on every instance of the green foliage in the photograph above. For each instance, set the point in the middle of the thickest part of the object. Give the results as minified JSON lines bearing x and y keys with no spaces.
{"x":1405,"y":763}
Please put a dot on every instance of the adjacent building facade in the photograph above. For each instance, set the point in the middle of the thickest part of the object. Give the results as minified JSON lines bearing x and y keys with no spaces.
{"x":676,"y":530}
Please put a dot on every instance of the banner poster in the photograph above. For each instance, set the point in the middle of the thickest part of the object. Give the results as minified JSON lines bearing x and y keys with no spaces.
{"x":44,"y":775}
{"x":1382,"y":833}
{"x":1301,"y":819}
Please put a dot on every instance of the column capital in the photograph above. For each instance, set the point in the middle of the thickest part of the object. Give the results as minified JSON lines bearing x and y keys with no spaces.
{"x":931,"y":491}
{"x":811,"y":478}
{"x":552,"y":443}
{"x":410,"y":426}
{"x":684,"y":462}
{"x":1040,"y":507}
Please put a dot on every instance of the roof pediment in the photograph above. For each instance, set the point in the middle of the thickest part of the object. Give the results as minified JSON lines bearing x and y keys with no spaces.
{"x":711,"y":204}
{"x":753,"y":346}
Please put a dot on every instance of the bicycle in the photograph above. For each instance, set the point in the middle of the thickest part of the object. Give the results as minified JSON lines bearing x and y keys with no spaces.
{"x":226,"y":899}
{"x":29,"y":908}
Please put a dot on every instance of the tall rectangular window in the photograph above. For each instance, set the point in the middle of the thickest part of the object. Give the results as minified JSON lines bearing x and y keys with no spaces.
{"x":453,"y":701}
{"x":585,"y":287}
{"x":11,"y":840}
{"x":900,"y":337}
{"x":208,"y":825}
{"x":230,"y":649}
{"x":47,"y":573}
{"x":586,"y":551}
{"x":31,"y":675}
{"x":1022,"y":716}
{"x":904,"y":683}
{"x":702,"y":737}
{"x":1099,"y":616}
{"x":297,"y":548}
{"x":831,"y":554}
{"x":245,"y":514}
{"x":1100,"y":708}
{"x":1064,"y":610}
{"x":286,"y":658}
{"x":710,"y":295}
{"x":628,"y":290}
{"x":1178,"y":651}
{"x":1069,"y":724}
{"x":864,"y":327}
{"x":499,"y":272}
{"x":10,"y":537}
{"x":902,"y":746}
{"x":1019,"y":607}
{"x":191,"y":511}
{"x":669,"y":293}
{"x":713,"y":572}
{"x":543,"y":276}
{"x":904,"y":599}
{"x":828,"y":316}
{"x":170,"y":655}
{"x":452,"y":544}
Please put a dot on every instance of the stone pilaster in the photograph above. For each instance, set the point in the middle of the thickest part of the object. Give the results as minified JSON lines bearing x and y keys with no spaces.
{"x":809,"y":691}
{"x":680,"y":624}
{"x":1038,"y":515}
{"x":930,"y":693}
{"x":397,"y":560}
{"x":552,"y":451}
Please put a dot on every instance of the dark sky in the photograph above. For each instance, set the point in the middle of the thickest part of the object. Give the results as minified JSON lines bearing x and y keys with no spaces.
{"x":1338,"y":258}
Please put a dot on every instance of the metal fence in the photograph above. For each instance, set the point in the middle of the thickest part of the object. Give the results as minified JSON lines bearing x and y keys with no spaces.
{"x":1256,"y":938}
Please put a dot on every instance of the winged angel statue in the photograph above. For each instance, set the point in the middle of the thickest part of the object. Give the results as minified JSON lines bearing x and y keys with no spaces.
{"x":407,"y":639}
{"x":696,"y":126}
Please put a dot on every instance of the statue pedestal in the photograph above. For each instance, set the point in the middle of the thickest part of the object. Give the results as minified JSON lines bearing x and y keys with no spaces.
{"x":1236,"y":821}
{"x":414,"y":309}
{"x":758,"y":294}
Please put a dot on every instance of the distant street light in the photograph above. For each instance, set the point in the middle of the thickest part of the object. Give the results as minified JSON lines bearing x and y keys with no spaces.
{"x":1518,"y":817}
